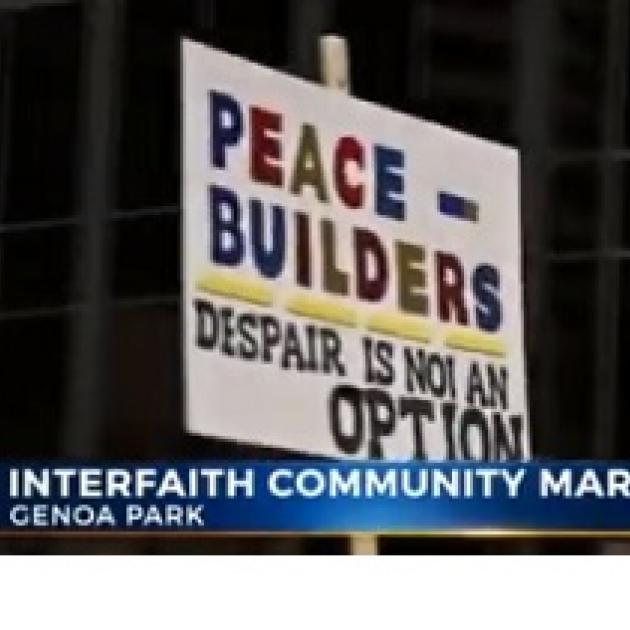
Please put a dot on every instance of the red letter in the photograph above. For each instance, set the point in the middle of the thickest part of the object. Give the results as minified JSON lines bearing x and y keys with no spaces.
{"x":450,"y":290}
{"x":367,"y":244}
{"x":348,"y":150}
{"x":265,"y":146}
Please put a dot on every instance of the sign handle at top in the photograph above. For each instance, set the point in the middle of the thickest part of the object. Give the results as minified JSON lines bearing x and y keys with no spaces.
{"x":334,"y":62}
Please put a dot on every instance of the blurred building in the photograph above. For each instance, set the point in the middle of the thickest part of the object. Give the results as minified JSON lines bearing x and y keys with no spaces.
{"x":90,"y":356}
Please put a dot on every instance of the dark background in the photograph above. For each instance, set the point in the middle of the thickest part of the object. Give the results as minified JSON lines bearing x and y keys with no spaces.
{"x":90,"y":352}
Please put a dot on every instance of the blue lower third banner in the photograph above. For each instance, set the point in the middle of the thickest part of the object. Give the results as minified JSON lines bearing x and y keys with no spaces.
{"x":316,"y":497}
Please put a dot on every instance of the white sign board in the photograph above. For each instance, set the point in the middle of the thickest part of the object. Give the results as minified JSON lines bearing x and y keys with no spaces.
{"x":352,"y":282}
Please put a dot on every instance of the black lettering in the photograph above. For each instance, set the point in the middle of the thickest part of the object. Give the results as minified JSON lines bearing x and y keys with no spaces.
{"x":498,"y":386}
{"x":346,"y":396}
{"x":381,"y":419}
{"x":227,"y":315}
{"x":292,"y":349}
{"x":206,"y":315}
{"x":419,"y":410}
{"x":415,"y":368}
{"x":384,"y":355}
{"x":475,"y":396}
{"x":504,"y":448}
{"x":270,"y":336}
{"x":369,"y":376}
{"x":474,"y":419}
{"x":311,"y":336}
{"x":248,"y":346}
{"x":450,"y":367}
{"x":331,"y":352}
{"x":448,"y":414}
{"x":437,"y":375}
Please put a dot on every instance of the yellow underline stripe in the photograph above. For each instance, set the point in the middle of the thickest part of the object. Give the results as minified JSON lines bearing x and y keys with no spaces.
{"x":333,"y":311}
{"x":403,"y":326}
{"x":237,"y":287}
{"x":474,"y":341}
{"x":320,"y":308}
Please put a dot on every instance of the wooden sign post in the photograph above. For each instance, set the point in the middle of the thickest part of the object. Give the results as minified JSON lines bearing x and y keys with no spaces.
{"x":334,"y":62}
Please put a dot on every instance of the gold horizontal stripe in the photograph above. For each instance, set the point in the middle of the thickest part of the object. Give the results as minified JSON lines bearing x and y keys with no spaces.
{"x":474,"y":341}
{"x":428,"y":533}
{"x":237,"y":287}
{"x":322,"y":309}
{"x":403,"y":326}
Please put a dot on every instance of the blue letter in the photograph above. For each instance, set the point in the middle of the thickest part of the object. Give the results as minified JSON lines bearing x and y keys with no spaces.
{"x":226,"y":123}
{"x":389,"y":182}
{"x":269,"y":261}
{"x":227,"y":239}
{"x":485,"y":286}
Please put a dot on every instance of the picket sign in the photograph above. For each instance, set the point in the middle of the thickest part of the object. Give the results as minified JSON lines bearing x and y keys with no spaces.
{"x":412,"y":265}
{"x":334,"y":62}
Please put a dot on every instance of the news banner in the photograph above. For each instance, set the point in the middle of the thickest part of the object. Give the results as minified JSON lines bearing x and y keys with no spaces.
{"x":317,"y":497}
